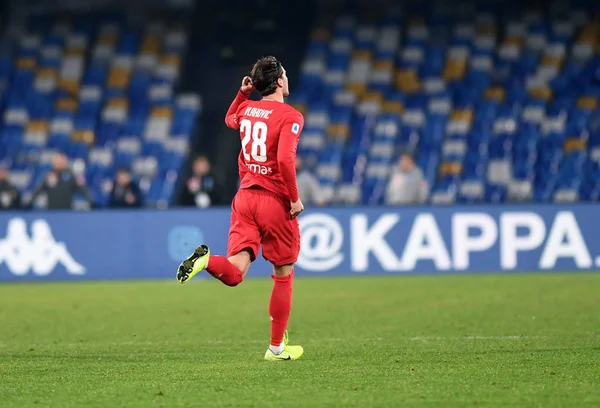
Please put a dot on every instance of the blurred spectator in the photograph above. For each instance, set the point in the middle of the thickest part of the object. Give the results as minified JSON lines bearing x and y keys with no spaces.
{"x":60,"y":185}
{"x":9,"y":195}
{"x":125,"y":192}
{"x":308,"y":185}
{"x":201,"y":189}
{"x":407,"y":184}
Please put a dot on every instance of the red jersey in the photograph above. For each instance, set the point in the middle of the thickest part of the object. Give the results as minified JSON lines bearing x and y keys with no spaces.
{"x":269,"y":131}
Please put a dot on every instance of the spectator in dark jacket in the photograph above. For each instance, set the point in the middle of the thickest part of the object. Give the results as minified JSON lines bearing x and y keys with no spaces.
{"x":200,"y":189}
{"x":10,"y":199}
{"x":60,"y":185}
{"x":125,"y":192}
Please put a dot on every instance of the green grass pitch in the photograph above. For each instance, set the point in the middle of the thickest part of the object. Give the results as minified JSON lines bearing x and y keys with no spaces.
{"x":527,"y":340}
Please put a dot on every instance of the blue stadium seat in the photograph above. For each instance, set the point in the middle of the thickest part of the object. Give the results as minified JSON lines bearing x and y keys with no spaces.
{"x":54,"y":98}
{"x":519,"y":101}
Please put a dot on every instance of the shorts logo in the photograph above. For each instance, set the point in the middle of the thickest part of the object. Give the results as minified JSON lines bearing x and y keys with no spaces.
{"x":320,"y":243}
{"x":295,"y":128}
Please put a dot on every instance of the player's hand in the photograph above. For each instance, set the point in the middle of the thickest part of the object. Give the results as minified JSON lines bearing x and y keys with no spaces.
{"x":297,"y":208}
{"x":247,"y":85}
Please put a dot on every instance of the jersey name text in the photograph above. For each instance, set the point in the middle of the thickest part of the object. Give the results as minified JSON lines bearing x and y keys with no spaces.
{"x":258,"y":113}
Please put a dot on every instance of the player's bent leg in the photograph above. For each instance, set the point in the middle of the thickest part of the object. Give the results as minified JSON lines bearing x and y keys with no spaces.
{"x":230,"y":271}
{"x":280,"y":306}
{"x":242,"y":261}
{"x":243,"y":242}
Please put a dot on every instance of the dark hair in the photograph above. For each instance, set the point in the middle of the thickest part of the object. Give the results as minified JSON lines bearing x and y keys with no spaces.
{"x":265,"y":73}
{"x":408,"y":152}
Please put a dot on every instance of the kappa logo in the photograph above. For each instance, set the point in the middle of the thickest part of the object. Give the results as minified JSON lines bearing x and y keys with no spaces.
{"x":40,"y":253}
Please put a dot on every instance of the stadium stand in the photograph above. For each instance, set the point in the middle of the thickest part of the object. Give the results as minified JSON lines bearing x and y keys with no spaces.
{"x":101,"y":89}
{"x":500,"y":102}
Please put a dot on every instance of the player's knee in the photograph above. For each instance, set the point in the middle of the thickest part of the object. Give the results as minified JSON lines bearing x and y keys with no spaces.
{"x":241,"y":261}
{"x":283,"y":270}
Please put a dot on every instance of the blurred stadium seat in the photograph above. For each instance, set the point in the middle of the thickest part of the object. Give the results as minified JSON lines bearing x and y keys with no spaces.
{"x":501,"y":103}
{"x":101,"y":90}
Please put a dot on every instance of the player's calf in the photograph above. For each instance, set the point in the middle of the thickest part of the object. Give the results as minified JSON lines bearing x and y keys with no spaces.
{"x":280,"y":303}
{"x":222,"y":269}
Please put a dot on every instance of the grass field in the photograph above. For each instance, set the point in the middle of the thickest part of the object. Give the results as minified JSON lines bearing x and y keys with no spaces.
{"x":512,"y":340}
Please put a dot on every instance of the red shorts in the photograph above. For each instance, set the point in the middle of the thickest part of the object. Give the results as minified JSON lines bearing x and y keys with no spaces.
{"x":261,"y":217}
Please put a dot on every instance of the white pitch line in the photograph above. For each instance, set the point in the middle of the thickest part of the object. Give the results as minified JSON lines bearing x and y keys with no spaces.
{"x":514,"y":337}
{"x":196,"y":343}
{"x":256,"y":341}
{"x":221,"y":342}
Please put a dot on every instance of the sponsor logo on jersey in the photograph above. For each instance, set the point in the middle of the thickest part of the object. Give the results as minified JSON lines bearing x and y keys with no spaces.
{"x":258,"y":169}
{"x":295,"y":128}
{"x":40,"y":253}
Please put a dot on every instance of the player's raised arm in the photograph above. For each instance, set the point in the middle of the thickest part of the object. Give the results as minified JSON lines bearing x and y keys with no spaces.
{"x":286,"y":153}
{"x":242,"y":96}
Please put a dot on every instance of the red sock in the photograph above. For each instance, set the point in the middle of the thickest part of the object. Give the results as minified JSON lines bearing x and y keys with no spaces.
{"x":220,"y":268}
{"x":280,"y":306}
